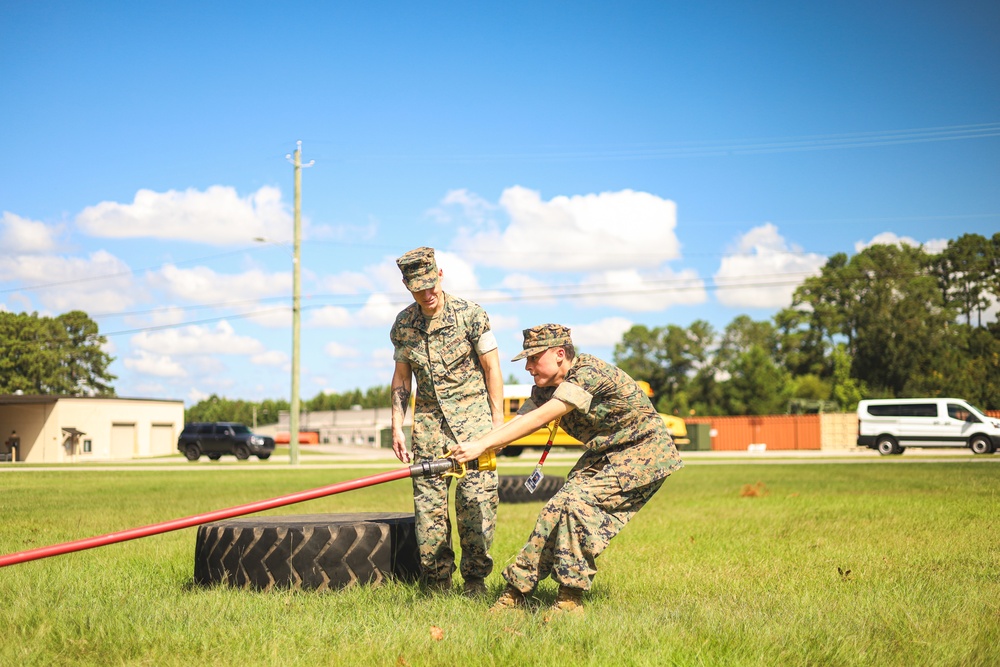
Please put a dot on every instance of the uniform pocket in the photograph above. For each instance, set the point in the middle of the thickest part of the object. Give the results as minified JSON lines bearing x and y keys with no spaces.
{"x":455,"y":351}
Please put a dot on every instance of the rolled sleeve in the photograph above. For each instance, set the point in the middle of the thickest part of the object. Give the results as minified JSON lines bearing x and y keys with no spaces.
{"x":486,"y":343}
{"x":527,"y":407}
{"x":579,"y":398}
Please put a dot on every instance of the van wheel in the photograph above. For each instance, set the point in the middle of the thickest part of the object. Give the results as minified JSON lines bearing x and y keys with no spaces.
{"x":980,"y":444}
{"x":192,"y":452}
{"x":242,"y":452}
{"x":886,"y":445}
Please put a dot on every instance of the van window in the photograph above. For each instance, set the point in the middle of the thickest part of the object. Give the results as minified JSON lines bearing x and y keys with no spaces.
{"x":514,"y":404}
{"x":904,"y":410}
{"x":961,"y":413}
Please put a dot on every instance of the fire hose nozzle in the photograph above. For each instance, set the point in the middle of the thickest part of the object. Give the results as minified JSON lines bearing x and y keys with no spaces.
{"x":432,"y":468}
{"x":487,"y":461}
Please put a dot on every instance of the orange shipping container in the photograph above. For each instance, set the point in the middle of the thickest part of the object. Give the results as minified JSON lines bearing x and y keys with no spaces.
{"x":305,"y":438}
{"x":774,"y":431}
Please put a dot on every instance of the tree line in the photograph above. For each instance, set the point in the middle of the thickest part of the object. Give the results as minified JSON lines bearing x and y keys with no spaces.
{"x":216,"y":408}
{"x":60,"y":355}
{"x":891,"y":321}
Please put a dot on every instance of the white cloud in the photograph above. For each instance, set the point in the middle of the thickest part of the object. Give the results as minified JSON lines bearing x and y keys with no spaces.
{"x":168,"y":315}
{"x":331,"y":316}
{"x":339,"y":351}
{"x":272,"y":358}
{"x":74,"y":281}
{"x":197,"y":396}
{"x":22,"y":236}
{"x":216,"y":216}
{"x":763,"y":270}
{"x":149,"y":388}
{"x":505,"y":322}
{"x":203,"y":285}
{"x":610,"y":230}
{"x":602,"y":333}
{"x":646,"y":291}
{"x":349,"y":282}
{"x":381,"y":358}
{"x":458,"y":276}
{"x":387,"y":277}
{"x":379,"y":311}
{"x":272,"y":315}
{"x":935,"y":246}
{"x":197,"y":340}
{"x":628,"y":289}
{"x":526,"y":286}
{"x":150,"y":363}
{"x":344,"y":232}
{"x":932,"y":246}
{"x":472,"y":207}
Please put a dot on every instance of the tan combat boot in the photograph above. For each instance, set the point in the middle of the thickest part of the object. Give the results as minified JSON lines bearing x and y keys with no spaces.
{"x":438,"y":586}
{"x":510,"y":599}
{"x":474,"y":588}
{"x":569,"y":601}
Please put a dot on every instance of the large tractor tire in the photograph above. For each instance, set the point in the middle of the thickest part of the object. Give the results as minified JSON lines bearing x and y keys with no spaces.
{"x":317,"y":551}
{"x":511,"y":489}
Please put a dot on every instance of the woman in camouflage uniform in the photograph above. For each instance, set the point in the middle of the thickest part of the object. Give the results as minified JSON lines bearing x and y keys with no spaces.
{"x":629,"y":455}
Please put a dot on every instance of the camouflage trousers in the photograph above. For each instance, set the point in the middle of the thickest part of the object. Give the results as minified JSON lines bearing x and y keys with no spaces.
{"x":475,"y":515}
{"x":575,"y":527}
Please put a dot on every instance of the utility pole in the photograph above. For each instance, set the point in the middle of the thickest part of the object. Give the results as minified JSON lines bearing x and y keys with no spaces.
{"x":293,"y":413}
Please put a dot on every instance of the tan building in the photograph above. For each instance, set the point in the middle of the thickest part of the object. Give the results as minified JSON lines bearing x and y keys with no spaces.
{"x":68,"y":429}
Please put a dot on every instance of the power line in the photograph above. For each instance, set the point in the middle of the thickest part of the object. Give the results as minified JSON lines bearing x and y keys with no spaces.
{"x":646,"y":151}
{"x":490,"y":296}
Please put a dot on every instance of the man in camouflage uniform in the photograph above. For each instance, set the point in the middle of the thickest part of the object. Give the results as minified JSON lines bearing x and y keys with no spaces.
{"x":629,"y":455}
{"x":447,"y":343}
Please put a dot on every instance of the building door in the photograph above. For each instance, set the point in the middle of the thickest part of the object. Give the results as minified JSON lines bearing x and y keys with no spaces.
{"x":161,"y":440}
{"x":123,"y":441}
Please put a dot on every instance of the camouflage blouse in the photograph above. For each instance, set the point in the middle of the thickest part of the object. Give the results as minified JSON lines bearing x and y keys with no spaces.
{"x":614,"y":419}
{"x":443,"y":353}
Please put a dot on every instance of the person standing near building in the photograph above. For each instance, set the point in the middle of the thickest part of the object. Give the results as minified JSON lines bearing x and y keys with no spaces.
{"x":629,"y":455}
{"x":447,"y":344}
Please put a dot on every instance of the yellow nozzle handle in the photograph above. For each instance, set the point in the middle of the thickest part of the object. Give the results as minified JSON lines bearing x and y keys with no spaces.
{"x":486,"y":461}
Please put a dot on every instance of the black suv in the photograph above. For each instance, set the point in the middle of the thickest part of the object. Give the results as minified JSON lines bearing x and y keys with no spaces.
{"x":218,"y":438}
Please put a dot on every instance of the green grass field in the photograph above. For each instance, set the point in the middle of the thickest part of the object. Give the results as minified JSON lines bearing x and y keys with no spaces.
{"x":875,"y":563}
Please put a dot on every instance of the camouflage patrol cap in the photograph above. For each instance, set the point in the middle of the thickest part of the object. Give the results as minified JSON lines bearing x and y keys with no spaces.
{"x":419,"y":269}
{"x":540,"y":338}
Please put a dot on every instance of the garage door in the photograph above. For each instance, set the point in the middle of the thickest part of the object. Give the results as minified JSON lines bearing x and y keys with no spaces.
{"x":161,"y":440}
{"x":123,"y":441}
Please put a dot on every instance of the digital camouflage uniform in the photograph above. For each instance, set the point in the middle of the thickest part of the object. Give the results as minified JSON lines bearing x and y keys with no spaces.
{"x":629,"y":455}
{"x":452,"y":406}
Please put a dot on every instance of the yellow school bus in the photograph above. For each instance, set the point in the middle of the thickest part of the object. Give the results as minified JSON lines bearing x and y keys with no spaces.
{"x":514,"y":396}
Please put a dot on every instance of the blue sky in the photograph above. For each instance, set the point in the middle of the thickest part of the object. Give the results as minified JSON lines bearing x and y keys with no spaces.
{"x":594,"y":164}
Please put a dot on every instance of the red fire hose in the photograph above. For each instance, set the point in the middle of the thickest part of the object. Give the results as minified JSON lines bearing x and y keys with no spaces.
{"x":425,"y":469}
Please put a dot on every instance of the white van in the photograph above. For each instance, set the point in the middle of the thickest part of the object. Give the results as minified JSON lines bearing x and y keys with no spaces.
{"x":890,"y":425}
